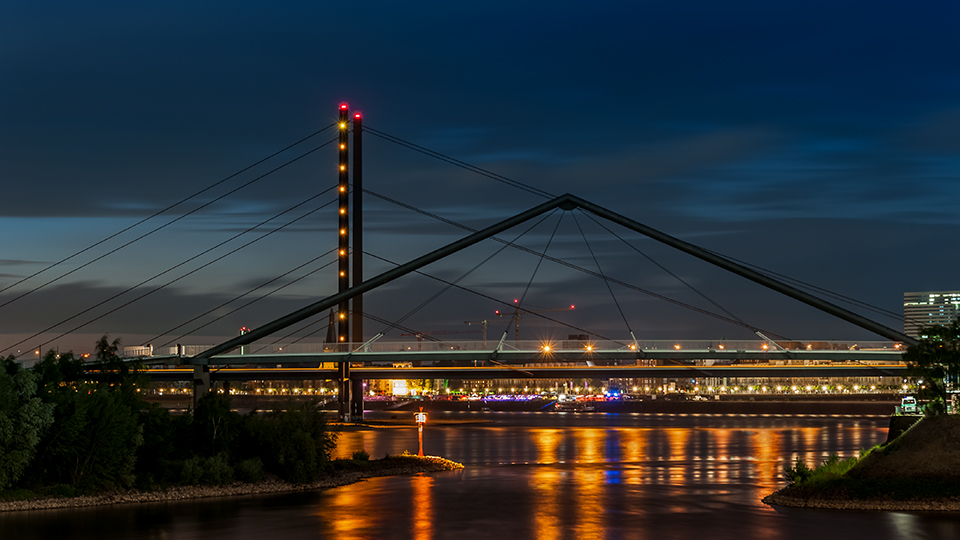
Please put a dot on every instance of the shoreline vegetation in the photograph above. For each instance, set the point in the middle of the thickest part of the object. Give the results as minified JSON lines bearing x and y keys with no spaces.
{"x":77,"y":433}
{"x":388,"y":466}
{"x":919,"y":471}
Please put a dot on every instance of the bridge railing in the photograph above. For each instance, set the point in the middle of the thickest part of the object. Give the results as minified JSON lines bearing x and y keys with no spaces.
{"x":566,"y":345}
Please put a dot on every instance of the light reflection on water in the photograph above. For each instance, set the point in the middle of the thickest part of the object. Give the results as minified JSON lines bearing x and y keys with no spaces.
{"x":422,"y":513}
{"x":547,"y":477}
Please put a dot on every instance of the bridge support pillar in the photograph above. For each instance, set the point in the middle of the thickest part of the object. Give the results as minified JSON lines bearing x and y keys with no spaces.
{"x":356,"y":400}
{"x":201,"y":383}
{"x":344,"y":390}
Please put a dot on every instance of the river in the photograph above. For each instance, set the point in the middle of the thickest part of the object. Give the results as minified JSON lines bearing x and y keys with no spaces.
{"x":543,"y":476}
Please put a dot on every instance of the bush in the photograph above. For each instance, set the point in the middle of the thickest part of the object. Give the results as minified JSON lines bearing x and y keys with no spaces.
{"x":349,"y":464}
{"x":191,"y":471}
{"x":217,"y":470}
{"x":361,"y":455}
{"x":17,"y":495}
{"x":935,"y":407}
{"x":798,"y":474}
{"x":250,"y":470}
{"x":208,"y":471}
{"x":831,"y":469}
{"x":63,"y":490}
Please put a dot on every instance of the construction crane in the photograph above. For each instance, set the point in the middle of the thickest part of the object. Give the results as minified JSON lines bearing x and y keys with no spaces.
{"x":516,"y":316}
{"x":484,"y":323}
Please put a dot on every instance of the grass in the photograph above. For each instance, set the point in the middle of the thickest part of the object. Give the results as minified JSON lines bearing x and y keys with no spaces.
{"x":870,"y":476}
{"x":830,"y":469}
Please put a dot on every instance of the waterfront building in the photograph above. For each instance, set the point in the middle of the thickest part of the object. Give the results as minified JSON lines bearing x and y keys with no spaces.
{"x":928,"y":308}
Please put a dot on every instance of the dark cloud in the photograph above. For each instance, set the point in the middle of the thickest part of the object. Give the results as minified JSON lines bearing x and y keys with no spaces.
{"x":819,"y":138}
{"x":17,"y":262}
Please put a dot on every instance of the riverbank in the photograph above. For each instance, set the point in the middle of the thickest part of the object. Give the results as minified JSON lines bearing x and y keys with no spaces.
{"x":406,"y":421}
{"x":391,"y":466}
{"x":917,"y":471}
{"x":784,"y":498}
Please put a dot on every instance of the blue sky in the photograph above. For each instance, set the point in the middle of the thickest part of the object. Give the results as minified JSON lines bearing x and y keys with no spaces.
{"x":817,"y":139}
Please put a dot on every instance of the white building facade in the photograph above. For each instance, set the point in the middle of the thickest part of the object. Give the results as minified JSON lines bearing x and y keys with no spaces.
{"x":928,"y":308}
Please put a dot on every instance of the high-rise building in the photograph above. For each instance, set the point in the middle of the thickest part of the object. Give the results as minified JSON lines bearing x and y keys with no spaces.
{"x":929,"y":308}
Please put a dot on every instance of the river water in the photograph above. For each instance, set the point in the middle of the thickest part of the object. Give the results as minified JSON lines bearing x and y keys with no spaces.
{"x":543,"y":476}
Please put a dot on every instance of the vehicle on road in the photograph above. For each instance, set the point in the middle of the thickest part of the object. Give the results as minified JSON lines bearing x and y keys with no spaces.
{"x":908,"y":405}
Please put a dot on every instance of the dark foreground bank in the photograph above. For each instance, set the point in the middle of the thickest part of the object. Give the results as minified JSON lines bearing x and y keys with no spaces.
{"x":917,"y":471}
{"x":390,"y":466}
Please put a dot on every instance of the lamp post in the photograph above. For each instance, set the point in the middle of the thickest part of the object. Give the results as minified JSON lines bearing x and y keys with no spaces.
{"x":421,"y":419}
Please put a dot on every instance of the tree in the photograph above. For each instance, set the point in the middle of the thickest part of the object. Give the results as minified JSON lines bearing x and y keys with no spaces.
{"x":105,"y":455}
{"x":23,"y":420}
{"x":156,"y":455}
{"x":93,"y":441}
{"x":215,"y":426}
{"x":936,"y":358}
{"x":293,"y":443}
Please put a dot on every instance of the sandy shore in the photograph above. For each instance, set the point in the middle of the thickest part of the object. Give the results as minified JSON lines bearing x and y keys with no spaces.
{"x":398,"y":466}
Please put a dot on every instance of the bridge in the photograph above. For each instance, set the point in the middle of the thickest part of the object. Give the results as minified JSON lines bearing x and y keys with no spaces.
{"x":349,"y":356}
{"x":351,"y":387}
{"x":475,"y":361}
{"x":541,"y":372}
{"x":592,"y":354}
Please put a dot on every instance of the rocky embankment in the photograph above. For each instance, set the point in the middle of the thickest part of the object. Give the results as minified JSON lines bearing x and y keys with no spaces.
{"x":783,"y":498}
{"x":917,"y":471}
{"x":397,"y":465}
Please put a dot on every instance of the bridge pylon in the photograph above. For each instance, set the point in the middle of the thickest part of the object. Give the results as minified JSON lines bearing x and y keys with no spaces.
{"x":201,"y":383}
{"x":350,"y":391}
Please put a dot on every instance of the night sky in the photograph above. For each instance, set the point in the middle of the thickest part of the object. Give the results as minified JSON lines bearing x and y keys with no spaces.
{"x":820,"y":140}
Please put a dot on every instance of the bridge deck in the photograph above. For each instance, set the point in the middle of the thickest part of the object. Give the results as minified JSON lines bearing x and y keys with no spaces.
{"x":536,"y":356}
{"x":552,"y":372}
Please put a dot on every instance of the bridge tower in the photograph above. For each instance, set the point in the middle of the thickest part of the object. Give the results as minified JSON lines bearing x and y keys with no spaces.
{"x":356,"y":313}
{"x":343,"y":260}
{"x":350,"y":390}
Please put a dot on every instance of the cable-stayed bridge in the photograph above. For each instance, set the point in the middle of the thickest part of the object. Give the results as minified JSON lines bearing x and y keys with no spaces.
{"x":356,"y":354}
{"x":473,"y":360}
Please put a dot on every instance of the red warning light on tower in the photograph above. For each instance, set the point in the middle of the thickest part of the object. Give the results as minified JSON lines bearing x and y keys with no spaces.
{"x":343,"y":106}
{"x":357,"y":116}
